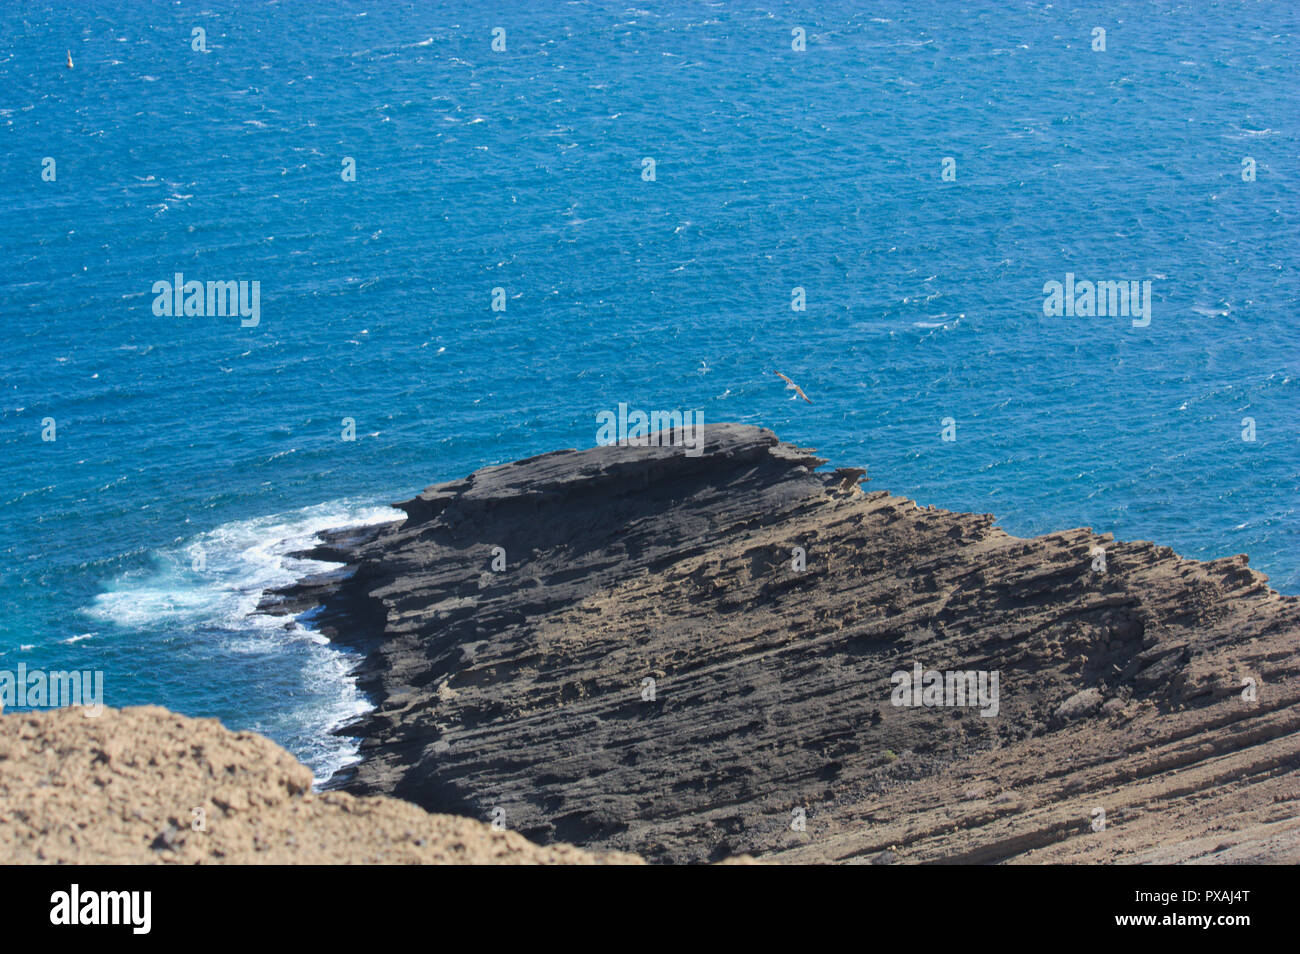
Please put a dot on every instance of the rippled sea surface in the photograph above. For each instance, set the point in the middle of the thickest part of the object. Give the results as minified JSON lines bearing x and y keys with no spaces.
{"x":186,"y":442}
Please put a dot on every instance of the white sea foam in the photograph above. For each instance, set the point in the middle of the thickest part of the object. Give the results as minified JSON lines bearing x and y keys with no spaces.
{"x":207,"y":589}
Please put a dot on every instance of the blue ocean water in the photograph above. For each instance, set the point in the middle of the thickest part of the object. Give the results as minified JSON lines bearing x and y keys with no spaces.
{"x":522,"y":169}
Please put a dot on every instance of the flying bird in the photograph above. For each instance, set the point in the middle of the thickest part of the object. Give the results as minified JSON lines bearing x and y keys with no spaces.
{"x":791,"y":386}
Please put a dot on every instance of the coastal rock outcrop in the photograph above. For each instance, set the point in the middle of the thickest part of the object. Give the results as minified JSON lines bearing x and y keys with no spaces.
{"x":630,"y":648}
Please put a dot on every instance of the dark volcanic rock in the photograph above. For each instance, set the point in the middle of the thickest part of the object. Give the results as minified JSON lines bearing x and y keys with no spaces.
{"x":652,"y":670}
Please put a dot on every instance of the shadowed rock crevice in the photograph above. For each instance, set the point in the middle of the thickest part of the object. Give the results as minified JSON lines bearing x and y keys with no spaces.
{"x":684,"y":653}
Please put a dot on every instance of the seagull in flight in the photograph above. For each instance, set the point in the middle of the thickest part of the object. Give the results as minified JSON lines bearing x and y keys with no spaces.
{"x":791,"y":386}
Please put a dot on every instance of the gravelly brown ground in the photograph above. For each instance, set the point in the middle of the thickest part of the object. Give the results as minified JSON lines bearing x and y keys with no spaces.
{"x":121,"y":789}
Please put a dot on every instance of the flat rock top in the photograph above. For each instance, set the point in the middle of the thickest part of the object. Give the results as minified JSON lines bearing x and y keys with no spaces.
{"x":127,"y":788}
{"x":691,"y":657}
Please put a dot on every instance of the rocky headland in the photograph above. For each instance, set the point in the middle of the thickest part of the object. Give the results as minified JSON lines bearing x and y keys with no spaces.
{"x":693,"y":657}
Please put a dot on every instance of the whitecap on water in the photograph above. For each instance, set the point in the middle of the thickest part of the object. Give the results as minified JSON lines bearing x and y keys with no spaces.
{"x":202,"y":596}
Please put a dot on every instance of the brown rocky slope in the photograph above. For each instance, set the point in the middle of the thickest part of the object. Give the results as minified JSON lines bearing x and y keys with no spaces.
{"x":130,"y":787}
{"x":1126,"y":728}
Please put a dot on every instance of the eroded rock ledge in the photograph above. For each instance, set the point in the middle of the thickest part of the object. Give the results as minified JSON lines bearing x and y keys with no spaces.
{"x":524,"y":691}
